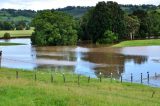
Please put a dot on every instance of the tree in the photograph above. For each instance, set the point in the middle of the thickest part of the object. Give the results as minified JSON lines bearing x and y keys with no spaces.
{"x":83,"y":30}
{"x":106,"y":16}
{"x":155,"y":23}
{"x":7,"y":26}
{"x":20,"y":25}
{"x":132,"y":25}
{"x":54,"y":28}
{"x":145,"y":23}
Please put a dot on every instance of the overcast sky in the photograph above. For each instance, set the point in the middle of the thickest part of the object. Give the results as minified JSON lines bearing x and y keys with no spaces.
{"x":48,"y":4}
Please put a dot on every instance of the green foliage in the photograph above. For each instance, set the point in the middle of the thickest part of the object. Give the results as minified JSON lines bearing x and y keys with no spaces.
{"x":83,"y":30}
{"x":20,"y":25}
{"x":54,"y":28}
{"x":155,"y":23}
{"x":108,"y":37}
{"x":105,"y":16}
{"x":132,"y":26}
{"x":7,"y":35}
{"x":5,"y":25}
{"x":145,"y":23}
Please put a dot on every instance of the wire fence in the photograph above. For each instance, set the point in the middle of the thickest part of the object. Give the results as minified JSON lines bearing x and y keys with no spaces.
{"x":142,"y":78}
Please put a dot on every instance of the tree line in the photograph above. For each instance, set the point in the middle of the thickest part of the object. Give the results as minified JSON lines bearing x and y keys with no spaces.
{"x":105,"y":23}
{"x":15,"y":13}
{"x":11,"y":25}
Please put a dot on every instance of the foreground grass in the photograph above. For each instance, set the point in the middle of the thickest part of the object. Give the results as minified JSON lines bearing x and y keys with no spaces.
{"x":151,"y":42}
{"x":26,"y":91}
{"x":17,"y":33}
{"x":9,"y":44}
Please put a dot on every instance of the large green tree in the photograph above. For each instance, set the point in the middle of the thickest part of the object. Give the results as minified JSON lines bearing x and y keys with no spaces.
{"x":54,"y":28}
{"x":145,"y":23}
{"x":155,"y":23}
{"x":132,"y":26}
{"x":105,"y":17}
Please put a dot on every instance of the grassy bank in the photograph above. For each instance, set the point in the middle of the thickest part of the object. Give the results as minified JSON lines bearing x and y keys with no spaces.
{"x":17,"y":33}
{"x":26,"y":91}
{"x":151,"y":42}
{"x":9,"y":44}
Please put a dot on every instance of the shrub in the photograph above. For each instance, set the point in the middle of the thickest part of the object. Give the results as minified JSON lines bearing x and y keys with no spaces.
{"x":7,"y":35}
{"x":108,"y":37}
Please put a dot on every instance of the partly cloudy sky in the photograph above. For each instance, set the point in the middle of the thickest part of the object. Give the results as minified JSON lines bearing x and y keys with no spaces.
{"x":48,"y":4}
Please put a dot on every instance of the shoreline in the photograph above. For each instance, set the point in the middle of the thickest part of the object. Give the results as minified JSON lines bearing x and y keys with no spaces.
{"x":15,"y":37}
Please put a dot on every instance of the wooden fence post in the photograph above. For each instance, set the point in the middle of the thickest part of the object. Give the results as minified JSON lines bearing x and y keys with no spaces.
{"x":78,"y":79}
{"x":141,"y":78}
{"x":148,"y":77}
{"x":35,"y":76}
{"x":121,"y":79}
{"x":111,"y":76}
{"x":89,"y":79}
{"x":100,"y":77}
{"x":51,"y":78}
{"x":16,"y":74}
{"x":131,"y":78}
{"x":0,"y":58}
{"x":64,"y":79}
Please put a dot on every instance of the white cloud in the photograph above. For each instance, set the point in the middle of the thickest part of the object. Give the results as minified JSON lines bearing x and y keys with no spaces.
{"x":48,"y":4}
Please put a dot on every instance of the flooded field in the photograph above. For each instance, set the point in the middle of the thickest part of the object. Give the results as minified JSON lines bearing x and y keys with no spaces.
{"x":86,"y":60}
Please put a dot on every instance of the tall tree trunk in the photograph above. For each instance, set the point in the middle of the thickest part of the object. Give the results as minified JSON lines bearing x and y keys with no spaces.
{"x":131,"y":36}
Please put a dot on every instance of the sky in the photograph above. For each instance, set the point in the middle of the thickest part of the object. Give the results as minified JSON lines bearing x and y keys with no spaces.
{"x":49,"y":4}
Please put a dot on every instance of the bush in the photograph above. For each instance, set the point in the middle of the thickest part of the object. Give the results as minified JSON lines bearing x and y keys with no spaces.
{"x":107,"y":38}
{"x":7,"y":35}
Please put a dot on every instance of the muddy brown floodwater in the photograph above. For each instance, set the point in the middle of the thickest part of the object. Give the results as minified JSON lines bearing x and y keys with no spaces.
{"x":86,"y":60}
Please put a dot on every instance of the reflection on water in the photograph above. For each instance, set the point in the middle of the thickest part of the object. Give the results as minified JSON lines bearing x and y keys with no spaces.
{"x":85,"y":60}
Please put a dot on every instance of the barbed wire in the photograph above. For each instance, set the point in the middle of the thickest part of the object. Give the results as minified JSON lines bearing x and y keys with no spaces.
{"x":126,"y":77}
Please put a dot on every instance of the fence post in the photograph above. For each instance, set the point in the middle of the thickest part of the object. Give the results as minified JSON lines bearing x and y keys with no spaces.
{"x":141,"y":78}
{"x":89,"y":79}
{"x":148,"y":77}
{"x":51,"y":78}
{"x":64,"y":79}
{"x":131,"y":78}
{"x":16,"y":74}
{"x":121,"y":79}
{"x":78,"y":79}
{"x":100,"y":77}
{"x":111,"y":77}
{"x":35,"y":76}
{"x":0,"y":58}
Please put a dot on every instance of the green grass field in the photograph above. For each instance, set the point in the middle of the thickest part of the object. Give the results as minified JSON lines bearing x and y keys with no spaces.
{"x":152,"y":42}
{"x":17,"y":33}
{"x":42,"y":92}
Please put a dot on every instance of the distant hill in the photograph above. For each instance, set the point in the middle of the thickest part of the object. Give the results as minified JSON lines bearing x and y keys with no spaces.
{"x":16,"y":15}
{"x":77,"y":12}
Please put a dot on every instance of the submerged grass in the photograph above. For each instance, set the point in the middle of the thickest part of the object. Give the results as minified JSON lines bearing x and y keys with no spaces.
{"x":152,"y":42}
{"x":9,"y":44}
{"x":26,"y":91}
